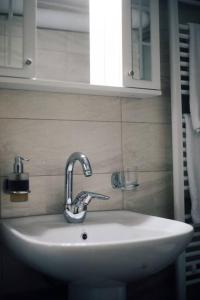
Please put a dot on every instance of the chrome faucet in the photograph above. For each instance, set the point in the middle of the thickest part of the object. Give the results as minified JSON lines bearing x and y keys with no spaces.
{"x":76,"y":209}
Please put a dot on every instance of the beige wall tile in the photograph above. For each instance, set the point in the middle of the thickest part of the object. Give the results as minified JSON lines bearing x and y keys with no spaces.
{"x":147,"y":146}
{"x":49,"y":143}
{"x":153,"y":110}
{"x":154,"y":196}
{"x":47,"y":195}
{"x":44,"y":105}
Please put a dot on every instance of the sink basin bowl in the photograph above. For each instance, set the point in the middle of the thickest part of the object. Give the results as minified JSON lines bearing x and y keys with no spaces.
{"x":109,"y":249}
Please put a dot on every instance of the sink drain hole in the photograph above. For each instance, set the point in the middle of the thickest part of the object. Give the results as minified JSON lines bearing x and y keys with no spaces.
{"x":84,"y":236}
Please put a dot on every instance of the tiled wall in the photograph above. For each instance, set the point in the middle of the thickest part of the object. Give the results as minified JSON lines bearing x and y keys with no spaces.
{"x":48,"y":127}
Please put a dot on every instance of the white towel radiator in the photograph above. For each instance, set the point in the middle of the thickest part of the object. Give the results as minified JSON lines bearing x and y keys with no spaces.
{"x":188,"y":264}
{"x":192,"y":254}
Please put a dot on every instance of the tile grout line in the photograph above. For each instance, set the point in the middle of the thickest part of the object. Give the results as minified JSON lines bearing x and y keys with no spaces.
{"x":89,"y":121}
{"x":105,"y":173}
{"x":59,"y":120}
{"x":122,"y":152}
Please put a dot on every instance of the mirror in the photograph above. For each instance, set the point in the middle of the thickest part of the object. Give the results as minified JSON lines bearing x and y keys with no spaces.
{"x":11,"y":33}
{"x":63,"y":40}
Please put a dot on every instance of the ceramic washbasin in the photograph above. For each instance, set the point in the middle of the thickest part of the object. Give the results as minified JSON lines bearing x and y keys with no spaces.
{"x":110,"y":248}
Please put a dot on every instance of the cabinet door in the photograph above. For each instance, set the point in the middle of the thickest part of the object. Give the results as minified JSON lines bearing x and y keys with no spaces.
{"x":141,"y":51}
{"x":17,"y":38}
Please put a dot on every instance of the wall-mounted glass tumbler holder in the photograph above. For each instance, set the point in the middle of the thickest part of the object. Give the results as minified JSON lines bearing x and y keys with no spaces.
{"x":125,"y":180}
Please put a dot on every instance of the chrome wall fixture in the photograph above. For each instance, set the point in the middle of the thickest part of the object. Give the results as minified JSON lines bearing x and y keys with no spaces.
{"x":124,"y":180}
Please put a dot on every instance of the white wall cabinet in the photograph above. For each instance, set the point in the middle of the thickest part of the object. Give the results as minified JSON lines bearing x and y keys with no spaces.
{"x":115,"y":49}
{"x":17,"y":38}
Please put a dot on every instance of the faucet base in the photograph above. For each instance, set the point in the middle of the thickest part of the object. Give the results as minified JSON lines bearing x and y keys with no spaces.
{"x":74,"y":218}
{"x":77,"y":292}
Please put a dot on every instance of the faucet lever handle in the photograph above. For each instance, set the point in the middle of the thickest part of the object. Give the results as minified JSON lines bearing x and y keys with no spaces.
{"x":84,"y":198}
{"x":98,"y":196}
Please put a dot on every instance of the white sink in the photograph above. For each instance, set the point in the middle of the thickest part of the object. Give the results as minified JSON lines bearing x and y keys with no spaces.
{"x":120,"y":246}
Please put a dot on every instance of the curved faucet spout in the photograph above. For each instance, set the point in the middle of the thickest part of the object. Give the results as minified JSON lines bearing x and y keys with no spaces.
{"x":87,"y":170}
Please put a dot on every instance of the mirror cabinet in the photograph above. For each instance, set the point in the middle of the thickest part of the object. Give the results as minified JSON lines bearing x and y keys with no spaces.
{"x":95,"y":42}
